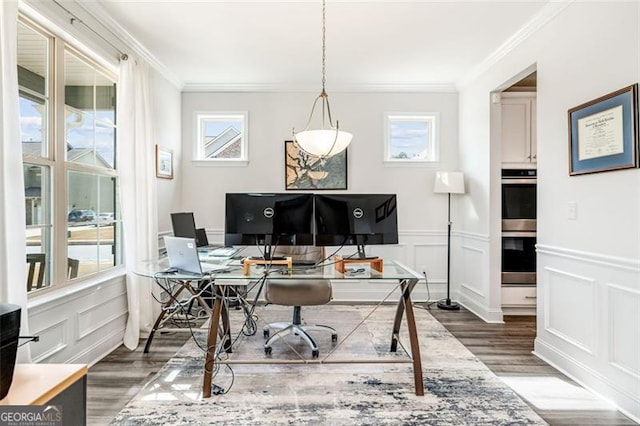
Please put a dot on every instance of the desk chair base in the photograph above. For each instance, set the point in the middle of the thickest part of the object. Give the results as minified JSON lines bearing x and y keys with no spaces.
{"x":296,"y":328}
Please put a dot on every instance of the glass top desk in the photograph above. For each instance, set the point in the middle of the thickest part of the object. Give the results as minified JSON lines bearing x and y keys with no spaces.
{"x":235,"y":276}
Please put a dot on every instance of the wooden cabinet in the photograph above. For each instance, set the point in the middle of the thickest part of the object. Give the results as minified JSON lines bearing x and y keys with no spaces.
{"x":518,"y":135}
{"x":62,"y":385}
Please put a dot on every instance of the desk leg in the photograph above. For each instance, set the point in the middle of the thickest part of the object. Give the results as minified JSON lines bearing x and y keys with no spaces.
{"x":405,"y":304}
{"x":398,"y":319}
{"x":226,"y":329}
{"x":163,"y":312}
{"x":413,"y":338}
{"x":212,"y":339}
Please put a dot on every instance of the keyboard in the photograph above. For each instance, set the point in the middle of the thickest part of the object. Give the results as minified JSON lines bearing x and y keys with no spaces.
{"x":211,"y":267}
{"x":223,"y":252}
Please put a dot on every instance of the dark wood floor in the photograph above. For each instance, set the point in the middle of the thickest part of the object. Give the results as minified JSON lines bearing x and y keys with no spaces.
{"x":504,"y":348}
{"x":507,"y":350}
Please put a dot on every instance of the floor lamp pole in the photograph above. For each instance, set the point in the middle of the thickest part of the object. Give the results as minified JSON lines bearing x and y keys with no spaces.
{"x":447,"y":303}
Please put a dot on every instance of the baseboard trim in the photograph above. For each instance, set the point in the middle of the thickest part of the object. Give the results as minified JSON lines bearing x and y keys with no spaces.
{"x":626,"y":403}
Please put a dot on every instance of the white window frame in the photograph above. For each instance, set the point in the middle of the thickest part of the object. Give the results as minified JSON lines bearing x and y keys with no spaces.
{"x":57,"y":183}
{"x":199,"y":148}
{"x":433,"y":156}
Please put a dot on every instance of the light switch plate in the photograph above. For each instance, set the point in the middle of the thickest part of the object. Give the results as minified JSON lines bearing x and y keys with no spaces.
{"x":572,"y":210}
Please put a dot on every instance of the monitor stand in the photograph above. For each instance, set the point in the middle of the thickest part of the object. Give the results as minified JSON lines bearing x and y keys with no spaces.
{"x":362,"y":254}
{"x":341,"y":263}
{"x":267,"y":249}
{"x":246,"y":265}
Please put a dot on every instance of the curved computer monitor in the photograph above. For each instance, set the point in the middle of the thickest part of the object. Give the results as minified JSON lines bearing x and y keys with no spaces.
{"x":356,"y":220}
{"x":268,"y":219}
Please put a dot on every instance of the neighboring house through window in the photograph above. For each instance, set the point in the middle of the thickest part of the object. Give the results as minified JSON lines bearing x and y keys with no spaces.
{"x":221,"y":137}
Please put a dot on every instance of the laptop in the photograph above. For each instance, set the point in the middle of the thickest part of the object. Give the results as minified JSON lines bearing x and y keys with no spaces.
{"x":183,"y":256}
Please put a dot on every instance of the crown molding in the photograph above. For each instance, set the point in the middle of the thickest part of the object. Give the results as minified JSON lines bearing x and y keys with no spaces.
{"x":97,"y":11}
{"x":547,"y":14}
{"x":287,"y":87}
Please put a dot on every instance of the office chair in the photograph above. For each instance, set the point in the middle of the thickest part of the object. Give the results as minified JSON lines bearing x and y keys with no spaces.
{"x":73,"y":265}
{"x":37,"y":263}
{"x":298,"y":293}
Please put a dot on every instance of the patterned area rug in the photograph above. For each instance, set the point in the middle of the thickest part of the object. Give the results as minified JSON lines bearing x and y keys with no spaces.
{"x":459,"y":389}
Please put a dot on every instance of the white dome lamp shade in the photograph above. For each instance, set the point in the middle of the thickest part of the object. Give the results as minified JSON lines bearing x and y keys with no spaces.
{"x":323,"y":142}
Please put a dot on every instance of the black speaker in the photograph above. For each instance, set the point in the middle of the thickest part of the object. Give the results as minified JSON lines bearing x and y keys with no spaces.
{"x":9,"y":332}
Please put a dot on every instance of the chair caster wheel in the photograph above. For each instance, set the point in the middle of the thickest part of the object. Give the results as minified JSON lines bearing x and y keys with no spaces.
{"x":266,"y":334}
{"x":267,"y":350}
{"x":334,"y":337}
{"x":315,"y":353}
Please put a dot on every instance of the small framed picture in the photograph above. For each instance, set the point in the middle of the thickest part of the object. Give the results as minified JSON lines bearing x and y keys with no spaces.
{"x":164,"y":162}
{"x":603,"y":133}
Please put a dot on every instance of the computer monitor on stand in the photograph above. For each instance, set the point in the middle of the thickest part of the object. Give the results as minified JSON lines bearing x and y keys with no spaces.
{"x":268,"y":220}
{"x":356,"y":220}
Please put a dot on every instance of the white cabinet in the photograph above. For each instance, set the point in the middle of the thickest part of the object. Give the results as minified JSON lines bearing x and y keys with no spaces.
{"x":519,"y":300}
{"x":518,"y":135}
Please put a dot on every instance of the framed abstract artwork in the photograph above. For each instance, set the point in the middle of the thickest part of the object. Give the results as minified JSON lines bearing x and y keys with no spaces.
{"x":306,"y":171}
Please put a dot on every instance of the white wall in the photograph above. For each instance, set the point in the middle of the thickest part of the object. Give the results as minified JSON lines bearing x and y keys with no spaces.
{"x":271,"y":118}
{"x":168,"y":132}
{"x":422,"y":214}
{"x":589,"y":268}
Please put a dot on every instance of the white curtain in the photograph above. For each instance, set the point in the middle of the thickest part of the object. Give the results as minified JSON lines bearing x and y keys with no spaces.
{"x":13,"y":278}
{"x":138,"y":200}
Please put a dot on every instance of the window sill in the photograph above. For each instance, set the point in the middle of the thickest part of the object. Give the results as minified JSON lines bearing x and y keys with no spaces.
{"x":425,"y":164}
{"x":63,"y":291}
{"x":220,"y":163}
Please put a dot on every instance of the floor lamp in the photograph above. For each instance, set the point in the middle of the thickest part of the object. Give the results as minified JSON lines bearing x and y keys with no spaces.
{"x":449,"y":183}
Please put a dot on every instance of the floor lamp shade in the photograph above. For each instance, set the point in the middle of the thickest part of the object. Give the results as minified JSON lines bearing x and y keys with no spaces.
{"x":448,"y":183}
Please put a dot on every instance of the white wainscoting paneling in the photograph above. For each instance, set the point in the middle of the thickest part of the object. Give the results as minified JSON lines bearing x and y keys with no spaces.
{"x":624,"y":309}
{"x":589,"y":321}
{"x":52,"y":340}
{"x":470,"y":271}
{"x":570,"y":299}
{"x":79,"y":324}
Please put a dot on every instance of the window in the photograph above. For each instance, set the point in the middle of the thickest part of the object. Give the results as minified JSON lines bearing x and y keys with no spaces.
{"x":69,"y":165}
{"x":411,"y":137}
{"x":221,"y":137}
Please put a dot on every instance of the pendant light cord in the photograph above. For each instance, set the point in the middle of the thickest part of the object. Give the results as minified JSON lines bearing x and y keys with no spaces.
{"x":324,"y":56}
{"x":326,"y":108}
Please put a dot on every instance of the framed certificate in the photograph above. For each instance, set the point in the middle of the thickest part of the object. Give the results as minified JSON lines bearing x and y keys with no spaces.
{"x":603,"y":133}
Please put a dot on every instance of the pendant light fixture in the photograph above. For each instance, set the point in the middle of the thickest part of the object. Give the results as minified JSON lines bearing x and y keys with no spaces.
{"x":328,"y":140}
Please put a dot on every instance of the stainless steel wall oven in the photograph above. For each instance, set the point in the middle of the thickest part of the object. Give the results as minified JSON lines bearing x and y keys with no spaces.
{"x":519,"y":226}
